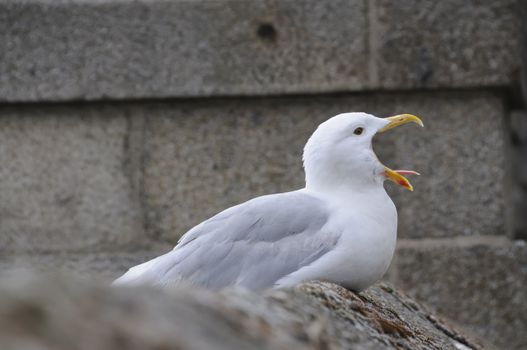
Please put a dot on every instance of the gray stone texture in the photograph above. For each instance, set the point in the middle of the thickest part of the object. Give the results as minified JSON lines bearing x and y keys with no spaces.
{"x":64,"y":179}
{"x":523,"y":49}
{"x":102,"y":266}
{"x":517,"y":194}
{"x":446,"y":43}
{"x":203,"y":157}
{"x":63,"y":50}
{"x":56,"y":50}
{"x":62,"y":313}
{"x":478,"y":284}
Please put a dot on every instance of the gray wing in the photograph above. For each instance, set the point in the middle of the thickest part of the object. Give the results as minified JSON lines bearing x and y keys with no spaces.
{"x":253,"y":244}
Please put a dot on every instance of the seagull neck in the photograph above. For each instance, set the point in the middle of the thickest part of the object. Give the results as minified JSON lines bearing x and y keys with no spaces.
{"x":345,"y":192}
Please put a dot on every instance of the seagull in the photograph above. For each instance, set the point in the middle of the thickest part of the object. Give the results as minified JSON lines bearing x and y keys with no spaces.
{"x":341,"y":227}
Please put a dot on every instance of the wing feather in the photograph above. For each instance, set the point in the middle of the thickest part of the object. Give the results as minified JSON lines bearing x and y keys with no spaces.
{"x":253,"y":244}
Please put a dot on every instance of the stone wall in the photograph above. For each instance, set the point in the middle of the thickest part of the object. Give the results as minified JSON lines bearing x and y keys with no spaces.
{"x":123,"y":124}
{"x":62,"y":50}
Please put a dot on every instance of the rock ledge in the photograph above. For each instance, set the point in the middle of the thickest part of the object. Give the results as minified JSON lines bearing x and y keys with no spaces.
{"x":63,"y":313}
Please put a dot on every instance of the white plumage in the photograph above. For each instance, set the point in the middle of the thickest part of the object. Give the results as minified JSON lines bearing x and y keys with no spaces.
{"x":341,"y":227}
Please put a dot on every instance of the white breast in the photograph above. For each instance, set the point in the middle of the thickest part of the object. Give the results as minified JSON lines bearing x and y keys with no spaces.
{"x":366,"y":247}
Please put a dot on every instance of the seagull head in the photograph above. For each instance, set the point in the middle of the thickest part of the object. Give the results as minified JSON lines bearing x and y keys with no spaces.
{"x":339,"y":154}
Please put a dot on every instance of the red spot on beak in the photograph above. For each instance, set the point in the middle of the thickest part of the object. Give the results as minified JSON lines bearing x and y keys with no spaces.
{"x":403,"y":183}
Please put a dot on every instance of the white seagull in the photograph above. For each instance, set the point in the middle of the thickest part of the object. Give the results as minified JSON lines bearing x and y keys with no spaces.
{"x":341,"y":227}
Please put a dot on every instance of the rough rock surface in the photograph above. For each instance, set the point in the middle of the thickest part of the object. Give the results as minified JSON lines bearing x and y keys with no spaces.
{"x":55,"y":312}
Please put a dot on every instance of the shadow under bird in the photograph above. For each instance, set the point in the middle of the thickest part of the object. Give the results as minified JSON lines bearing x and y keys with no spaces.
{"x":341,"y":227}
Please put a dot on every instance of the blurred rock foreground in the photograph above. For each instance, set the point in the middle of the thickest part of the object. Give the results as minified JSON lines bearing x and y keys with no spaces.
{"x":60,"y":313}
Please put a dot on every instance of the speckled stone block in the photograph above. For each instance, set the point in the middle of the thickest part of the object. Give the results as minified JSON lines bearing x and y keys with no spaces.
{"x":78,"y":49}
{"x":460,"y":154}
{"x":481,"y":286}
{"x":517,"y":194}
{"x":103,"y":265}
{"x":65,"y":182}
{"x":445,"y":43}
{"x":59,"y":50}
{"x":204,"y":156}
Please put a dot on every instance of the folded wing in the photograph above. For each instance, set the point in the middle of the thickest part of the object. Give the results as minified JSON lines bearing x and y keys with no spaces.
{"x":253,"y":244}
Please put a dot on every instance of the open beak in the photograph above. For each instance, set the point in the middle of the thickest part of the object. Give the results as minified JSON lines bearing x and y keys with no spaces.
{"x":400,"y":119}
{"x":396,"y":176}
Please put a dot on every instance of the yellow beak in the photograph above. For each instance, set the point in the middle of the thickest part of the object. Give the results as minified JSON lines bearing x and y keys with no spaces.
{"x":396,"y":176}
{"x":401,"y":119}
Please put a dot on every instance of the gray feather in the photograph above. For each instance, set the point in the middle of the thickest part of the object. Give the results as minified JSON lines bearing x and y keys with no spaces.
{"x":253,"y":244}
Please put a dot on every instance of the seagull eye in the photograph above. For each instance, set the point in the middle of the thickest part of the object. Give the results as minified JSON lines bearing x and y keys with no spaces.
{"x":358,"y":131}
